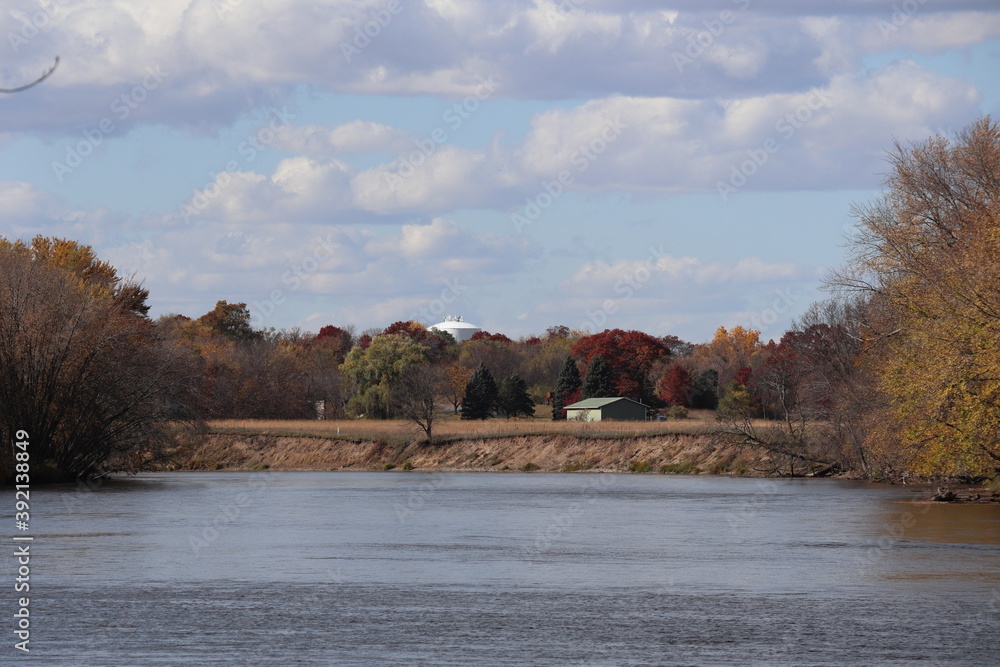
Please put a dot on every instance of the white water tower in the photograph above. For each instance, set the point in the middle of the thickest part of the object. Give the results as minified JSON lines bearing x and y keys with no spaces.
{"x":458,"y":328}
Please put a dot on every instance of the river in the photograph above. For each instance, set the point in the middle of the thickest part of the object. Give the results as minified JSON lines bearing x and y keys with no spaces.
{"x":505,"y":569}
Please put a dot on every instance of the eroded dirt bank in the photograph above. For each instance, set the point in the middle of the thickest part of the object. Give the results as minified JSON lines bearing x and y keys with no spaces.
{"x":556,"y":452}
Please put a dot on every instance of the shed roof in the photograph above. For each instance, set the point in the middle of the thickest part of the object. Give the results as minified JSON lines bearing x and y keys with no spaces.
{"x":592,"y":403}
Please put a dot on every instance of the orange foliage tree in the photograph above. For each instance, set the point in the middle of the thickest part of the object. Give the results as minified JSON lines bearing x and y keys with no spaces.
{"x":928,"y":253}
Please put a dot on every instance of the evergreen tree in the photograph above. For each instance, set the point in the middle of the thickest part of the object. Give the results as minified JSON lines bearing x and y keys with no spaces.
{"x":513,"y":399}
{"x":704,"y":391}
{"x":567,"y":388}
{"x":480,"y":395}
{"x":599,"y":381}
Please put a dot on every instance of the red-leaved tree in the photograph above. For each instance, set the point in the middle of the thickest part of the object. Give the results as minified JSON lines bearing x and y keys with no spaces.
{"x":630,"y":354}
{"x":674,"y":387}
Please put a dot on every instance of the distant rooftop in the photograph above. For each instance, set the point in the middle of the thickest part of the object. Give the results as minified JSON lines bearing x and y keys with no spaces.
{"x":592,"y":403}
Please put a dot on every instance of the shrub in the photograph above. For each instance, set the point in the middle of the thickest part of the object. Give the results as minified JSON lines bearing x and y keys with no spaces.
{"x":388,"y":466}
{"x":407,"y":466}
{"x":641,"y":466}
{"x":677,"y":412}
{"x":685,"y":468}
{"x":529,"y":466}
{"x":993,"y":486}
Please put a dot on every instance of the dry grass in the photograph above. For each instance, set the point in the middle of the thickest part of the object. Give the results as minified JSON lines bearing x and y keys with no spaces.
{"x":451,"y":427}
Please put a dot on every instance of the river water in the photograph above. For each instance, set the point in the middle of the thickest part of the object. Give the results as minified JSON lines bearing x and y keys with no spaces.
{"x":505,"y":569}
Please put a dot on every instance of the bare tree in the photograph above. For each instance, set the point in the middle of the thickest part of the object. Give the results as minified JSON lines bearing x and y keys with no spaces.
{"x":415,"y":393}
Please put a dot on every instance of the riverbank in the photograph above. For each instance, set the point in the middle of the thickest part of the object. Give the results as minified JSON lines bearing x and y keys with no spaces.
{"x":555,"y":452}
{"x":673,"y":449}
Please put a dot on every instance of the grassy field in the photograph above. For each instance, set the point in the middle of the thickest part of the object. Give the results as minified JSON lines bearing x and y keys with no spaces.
{"x":451,"y":427}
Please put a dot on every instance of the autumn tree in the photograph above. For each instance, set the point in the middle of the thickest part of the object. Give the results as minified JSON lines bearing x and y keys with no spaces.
{"x":82,"y":370}
{"x":372,"y":372}
{"x":480,"y":395}
{"x":926,"y":252}
{"x":678,"y":348}
{"x":567,"y":388}
{"x":335,"y":340}
{"x":513,"y":399}
{"x":436,"y":342}
{"x":558,"y":331}
{"x":729,"y":352}
{"x":231,"y":320}
{"x":486,"y":335}
{"x":456,"y":377}
{"x":814,"y":388}
{"x":501,"y":358}
{"x":629,"y":354}
{"x":263,"y":378}
{"x":736,"y":403}
{"x":675,"y":386}
{"x":543,"y":361}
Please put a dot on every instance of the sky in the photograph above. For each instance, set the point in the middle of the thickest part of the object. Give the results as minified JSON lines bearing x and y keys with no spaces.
{"x":666,"y":167}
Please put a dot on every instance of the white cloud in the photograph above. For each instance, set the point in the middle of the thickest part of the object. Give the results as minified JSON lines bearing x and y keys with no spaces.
{"x":29,"y":211}
{"x":300,"y":189}
{"x":538,"y":50}
{"x":822,"y":138}
{"x":358,"y":136}
{"x":665,"y":272}
{"x":696,"y":101}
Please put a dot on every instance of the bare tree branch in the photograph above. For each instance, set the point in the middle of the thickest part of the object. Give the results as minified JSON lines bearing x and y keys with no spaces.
{"x":35,"y":82}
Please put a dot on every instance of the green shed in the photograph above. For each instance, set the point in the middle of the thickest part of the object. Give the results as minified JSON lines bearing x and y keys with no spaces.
{"x":600,"y":409}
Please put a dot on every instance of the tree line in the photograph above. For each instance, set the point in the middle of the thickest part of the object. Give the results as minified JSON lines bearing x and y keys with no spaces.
{"x":896,"y":374}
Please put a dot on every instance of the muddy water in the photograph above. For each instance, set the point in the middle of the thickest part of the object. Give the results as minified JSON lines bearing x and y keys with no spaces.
{"x":506,"y":569}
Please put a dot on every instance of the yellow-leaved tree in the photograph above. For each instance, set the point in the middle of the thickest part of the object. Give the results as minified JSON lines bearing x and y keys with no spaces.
{"x":927,"y":252}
